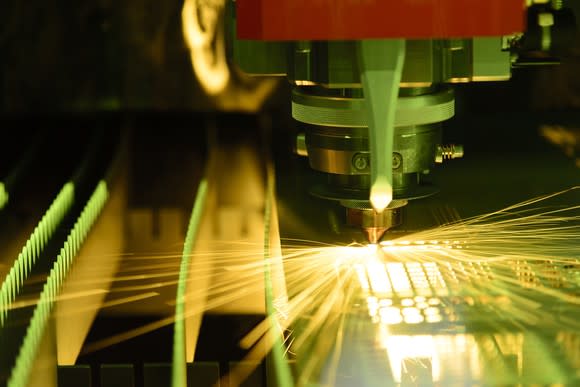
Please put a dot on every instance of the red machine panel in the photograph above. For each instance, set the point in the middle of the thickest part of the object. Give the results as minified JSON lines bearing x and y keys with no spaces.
{"x":360,"y":19}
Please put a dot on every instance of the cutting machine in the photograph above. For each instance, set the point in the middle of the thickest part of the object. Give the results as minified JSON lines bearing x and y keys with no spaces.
{"x":114,"y":272}
{"x":372,"y":82}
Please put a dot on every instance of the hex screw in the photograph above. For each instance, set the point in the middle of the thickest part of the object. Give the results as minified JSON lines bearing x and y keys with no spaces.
{"x":397,"y":160}
{"x":360,"y":161}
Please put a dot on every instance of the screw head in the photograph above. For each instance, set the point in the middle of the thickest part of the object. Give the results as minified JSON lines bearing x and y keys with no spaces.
{"x":397,"y":160}
{"x":360,"y":161}
{"x":439,"y":154}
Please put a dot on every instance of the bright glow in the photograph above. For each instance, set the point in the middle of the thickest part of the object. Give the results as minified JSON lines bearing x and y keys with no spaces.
{"x":362,"y":277}
{"x":434,"y":301}
{"x":413,"y":279}
{"x":404,"y":349}
{"x":399,"y":278}
{"x":381,"y":195}
{"x":417,"y":274}
{"x":410,"y":311}
{"x":410,"y":356}
{"x":386,"y":302}
{"x":407,"y":302}
{"x":414,"y":318}
{"x":205,"y":38}
{"x":373,"y":306}
{"x":433,"y":318}
{"x":419,"y":245}
{"x":391,"y":315}
{"x":379,"y":281}
{"x":434,"y":275}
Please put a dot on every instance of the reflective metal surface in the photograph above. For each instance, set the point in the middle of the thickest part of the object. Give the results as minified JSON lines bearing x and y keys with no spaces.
{"x":339,"y":146}
{"x":329,"y":108}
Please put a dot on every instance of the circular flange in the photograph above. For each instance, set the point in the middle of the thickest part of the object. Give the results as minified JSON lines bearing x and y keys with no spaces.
{"x":351,"y":112}
{"x":325,"y":191}
{"x":366,"y":204}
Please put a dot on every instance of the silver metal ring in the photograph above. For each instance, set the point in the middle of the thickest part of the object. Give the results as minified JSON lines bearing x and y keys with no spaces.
{"x":351,"y":112}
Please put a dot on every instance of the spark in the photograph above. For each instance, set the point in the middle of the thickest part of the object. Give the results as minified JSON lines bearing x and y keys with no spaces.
{"x":514,"y":264}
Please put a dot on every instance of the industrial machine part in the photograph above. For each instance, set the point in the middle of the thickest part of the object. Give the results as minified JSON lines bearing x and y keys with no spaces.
{"x":371,"y":85}
{"x":107,"y":251}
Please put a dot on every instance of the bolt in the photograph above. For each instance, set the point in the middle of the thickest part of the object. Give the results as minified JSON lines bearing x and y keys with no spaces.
{"x":447,"y":152}
{"x":301,"y":149}
{"x":360,"y":161}
{"x":545,"y":19}
{"x":397,"y":160}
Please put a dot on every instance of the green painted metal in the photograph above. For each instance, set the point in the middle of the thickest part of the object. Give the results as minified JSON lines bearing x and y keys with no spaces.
{"x":14,"y":280}
{"x":282,"y":371}
{"x":179,"y":367}
{"x":40,"y":317}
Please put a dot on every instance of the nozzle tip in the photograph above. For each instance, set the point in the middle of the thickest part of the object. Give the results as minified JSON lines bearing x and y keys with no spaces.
{"x":374,"y":234}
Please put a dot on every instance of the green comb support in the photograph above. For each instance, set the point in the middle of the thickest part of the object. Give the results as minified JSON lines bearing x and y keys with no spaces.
{"x":31,"y":251}
{"x":27,"y":353}
{"x":179,"y":370}
{"x":282,"y":371}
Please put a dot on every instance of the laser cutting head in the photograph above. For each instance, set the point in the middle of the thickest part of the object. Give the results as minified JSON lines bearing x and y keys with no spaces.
{"x":371,"y":88}
{"x":373,"y":223}
{"x":337,"y":143}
